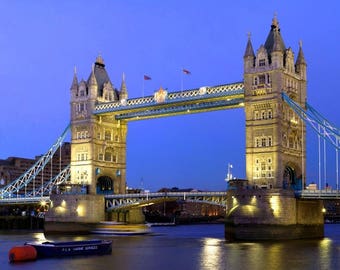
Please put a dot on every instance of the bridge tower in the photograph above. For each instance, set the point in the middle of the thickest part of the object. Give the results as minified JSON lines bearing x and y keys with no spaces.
{"x":98,"y":143}
{"x":275,"y":149}
{"x":275,"y":136}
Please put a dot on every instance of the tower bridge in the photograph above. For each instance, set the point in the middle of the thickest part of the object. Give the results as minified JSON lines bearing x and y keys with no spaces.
{"x":273,"y":95}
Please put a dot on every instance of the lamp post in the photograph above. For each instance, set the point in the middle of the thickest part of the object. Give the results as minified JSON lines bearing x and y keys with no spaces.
{"x":229,"y":174}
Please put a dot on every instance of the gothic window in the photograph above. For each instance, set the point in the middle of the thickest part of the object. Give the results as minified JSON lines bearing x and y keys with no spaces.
{"x":81,"y":107}
{"x":263,"y":142}
{"x":256,"y":115}
{"x":269,"y":160}
{"x":100,"y":156}
{"x":116,"y":138}
{"x":262,"y":62}
{"x":82,"y":92}
{"x":262,"y":79}
{"x":268,"y":79}
{"x":269,"y":141}
{"x":108,"y":135}
{"x":82,"y":156}
{"x":263,"y":114}
{"x":284,"y":140}
{"x":110,"y":155}
{"x":291,"y":144}
{"x":257,"y":142}
{"x":270,"y":114}
{"x":255,"y":81}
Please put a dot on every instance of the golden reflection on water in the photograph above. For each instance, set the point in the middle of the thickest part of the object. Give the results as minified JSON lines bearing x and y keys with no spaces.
{"x":301,"y":254}
{"x":325,"y":246}
{"x":211,"y":253}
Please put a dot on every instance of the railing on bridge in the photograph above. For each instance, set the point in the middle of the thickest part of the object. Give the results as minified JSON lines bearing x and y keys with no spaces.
{"x":186,"y":101}
{"x":142,"y":199}
{"x":25,"y":200}
{"x":318,"y":194}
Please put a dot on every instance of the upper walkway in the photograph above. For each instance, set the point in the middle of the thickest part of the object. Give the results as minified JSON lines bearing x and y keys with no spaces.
{"x":163,"y":103}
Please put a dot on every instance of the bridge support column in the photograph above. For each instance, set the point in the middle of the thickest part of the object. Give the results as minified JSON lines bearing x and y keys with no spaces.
{"x":271,"y":215}
{"x":74,"y":214}
{"x":135,"y":216}
{"x":118,"y":216}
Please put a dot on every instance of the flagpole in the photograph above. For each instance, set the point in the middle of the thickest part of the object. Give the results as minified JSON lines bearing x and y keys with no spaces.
{"x":143,"y":88}
{"x":182,"y":79}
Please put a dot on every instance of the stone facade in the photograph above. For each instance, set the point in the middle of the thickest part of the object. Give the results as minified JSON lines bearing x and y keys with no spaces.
{"x":74,"y":213}
{"x":275,"y":136}
{"x":98,"y":142}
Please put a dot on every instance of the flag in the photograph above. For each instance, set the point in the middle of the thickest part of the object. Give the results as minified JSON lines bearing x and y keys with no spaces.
{"x":185,"y":71}
{"x":147,"y":77}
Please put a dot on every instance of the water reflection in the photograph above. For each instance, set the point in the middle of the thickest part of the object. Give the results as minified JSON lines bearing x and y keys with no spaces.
{"x":190,"y":248}
{"x":210,"y":257}
{"x":325,"y":247}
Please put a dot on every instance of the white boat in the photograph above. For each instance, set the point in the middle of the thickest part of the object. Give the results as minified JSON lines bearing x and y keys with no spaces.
{"x":156,"y":224}
{"x":118,"y":228}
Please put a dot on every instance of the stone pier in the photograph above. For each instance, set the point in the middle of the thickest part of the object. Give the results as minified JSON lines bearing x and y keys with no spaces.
{"x":78,"y":214}
{"x":269,"y":214}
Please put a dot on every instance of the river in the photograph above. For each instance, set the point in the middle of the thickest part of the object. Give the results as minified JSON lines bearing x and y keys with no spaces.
{"x":188,"y":247}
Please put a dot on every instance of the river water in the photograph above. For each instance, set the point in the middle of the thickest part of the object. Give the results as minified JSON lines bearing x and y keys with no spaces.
{"x":187,"y":247}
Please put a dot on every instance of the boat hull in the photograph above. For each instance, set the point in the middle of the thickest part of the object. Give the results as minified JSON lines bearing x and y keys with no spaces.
{"x":114,"y":228}
{"x":73,"y":248}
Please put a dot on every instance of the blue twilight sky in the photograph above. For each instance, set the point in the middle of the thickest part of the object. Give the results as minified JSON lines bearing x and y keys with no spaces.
{"x":42,"y":41}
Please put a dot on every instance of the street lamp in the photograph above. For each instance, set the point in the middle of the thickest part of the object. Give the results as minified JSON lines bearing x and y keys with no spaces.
{"x":229,"y":174}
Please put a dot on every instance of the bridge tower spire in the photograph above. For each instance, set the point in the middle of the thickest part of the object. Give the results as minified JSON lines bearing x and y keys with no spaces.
{"x":275,"y":136}
{"x":98,"y":143}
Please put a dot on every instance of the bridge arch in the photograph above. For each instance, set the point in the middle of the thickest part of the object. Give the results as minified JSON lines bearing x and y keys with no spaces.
{"x":105,"y":185}
{"x":291,"y":177}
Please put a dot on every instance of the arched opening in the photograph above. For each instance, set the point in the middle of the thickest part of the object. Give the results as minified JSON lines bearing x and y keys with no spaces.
{"x":104,"y":185}
{"x":289,"y":178}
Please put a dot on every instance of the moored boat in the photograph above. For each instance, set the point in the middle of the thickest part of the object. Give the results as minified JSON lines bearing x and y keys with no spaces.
{"x":118,"y":228}
{"x":71,"y":248}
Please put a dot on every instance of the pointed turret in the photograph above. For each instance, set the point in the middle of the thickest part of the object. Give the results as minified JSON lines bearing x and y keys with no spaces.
{"x":249,"y":55}
{"x":249,"y":48}
{"x":275,"y":46}
{"x":301,"y":57}
{"x":274,"y":41}
{"x":100,"y":61}
{"x":92,"y":84}
{"x":74,"y":86}
{"x":123,"y":95}
{"x":301,"y":64}
{"x":92,"y":79}
{"x":75,"y":80}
